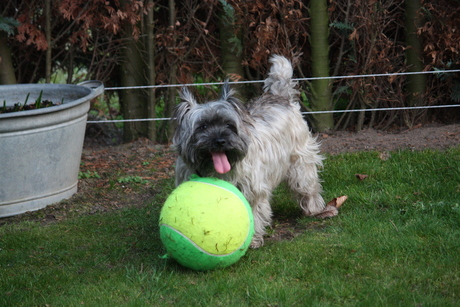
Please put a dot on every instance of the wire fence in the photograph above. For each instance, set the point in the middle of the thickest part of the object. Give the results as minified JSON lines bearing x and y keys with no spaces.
{"x":295,"y":79}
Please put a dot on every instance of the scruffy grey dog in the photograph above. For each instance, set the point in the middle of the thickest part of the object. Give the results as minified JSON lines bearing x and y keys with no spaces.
{"x":254,"y":146}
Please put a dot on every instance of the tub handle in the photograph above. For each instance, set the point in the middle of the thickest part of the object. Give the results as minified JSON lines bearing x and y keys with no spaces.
{"x":96,"y":86}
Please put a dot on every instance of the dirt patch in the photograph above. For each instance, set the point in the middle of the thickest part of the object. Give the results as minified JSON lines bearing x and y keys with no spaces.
{"x":111,"y":178}
{"x":114,"y":177}
{"x":420,"y":137}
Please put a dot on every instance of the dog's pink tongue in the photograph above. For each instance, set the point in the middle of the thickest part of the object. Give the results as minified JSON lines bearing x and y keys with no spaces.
{"x":221,"y":164}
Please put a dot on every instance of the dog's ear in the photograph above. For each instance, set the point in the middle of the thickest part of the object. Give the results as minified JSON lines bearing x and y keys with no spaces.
{"x":188,"y":102}
{"x":228,"y":94}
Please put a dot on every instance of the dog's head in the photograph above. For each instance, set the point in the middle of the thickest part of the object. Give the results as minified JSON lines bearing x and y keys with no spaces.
{"x":211,"y":137}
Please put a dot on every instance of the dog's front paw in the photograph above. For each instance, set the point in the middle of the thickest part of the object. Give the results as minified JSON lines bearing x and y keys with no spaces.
{"x":257,"y":242}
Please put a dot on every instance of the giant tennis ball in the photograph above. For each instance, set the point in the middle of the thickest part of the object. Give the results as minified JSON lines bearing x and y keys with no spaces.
{"x":206,"y":223}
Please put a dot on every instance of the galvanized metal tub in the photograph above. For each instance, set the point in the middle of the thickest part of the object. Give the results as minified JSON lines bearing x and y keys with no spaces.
{"x":40,"y":150}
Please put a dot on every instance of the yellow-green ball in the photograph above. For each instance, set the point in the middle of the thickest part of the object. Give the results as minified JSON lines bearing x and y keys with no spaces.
{"x":206,"y":223}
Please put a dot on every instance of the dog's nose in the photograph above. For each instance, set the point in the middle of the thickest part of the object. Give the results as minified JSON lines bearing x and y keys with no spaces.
{"x":220,"y":142}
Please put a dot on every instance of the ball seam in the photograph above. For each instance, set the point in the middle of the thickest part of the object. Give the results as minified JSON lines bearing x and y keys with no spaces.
{"x":200,"y":248}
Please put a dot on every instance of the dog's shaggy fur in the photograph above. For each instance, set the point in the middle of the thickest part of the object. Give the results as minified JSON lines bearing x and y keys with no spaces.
{"x":255,"y":147}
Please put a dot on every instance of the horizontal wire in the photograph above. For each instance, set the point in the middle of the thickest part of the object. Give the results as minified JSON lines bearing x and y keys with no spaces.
{"x":304,"y":113}
{"x":384,"y":109}
{"x":296,"y":79}
{"x":126,"y":120}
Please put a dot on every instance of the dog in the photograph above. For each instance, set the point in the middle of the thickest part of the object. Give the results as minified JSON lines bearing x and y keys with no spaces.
{"x":254,"y":146}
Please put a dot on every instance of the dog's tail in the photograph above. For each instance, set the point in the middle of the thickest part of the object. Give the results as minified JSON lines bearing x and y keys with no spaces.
{"x":279,"y":81}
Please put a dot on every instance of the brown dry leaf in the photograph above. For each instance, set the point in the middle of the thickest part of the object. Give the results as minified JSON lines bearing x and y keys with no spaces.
{"x":235,"y":77}
{"x":338,"y":201}
{"x":354,"y":35}
{"x":332,"y":207}
{"x":392,"y":78}
{"x":361,"y":176}
{"x":328,"y":211}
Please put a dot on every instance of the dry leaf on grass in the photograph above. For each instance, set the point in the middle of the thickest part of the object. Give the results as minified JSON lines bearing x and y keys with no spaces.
{"x":338,"y":201}
{"x":361,"y":176}
{"x":332,"y":207}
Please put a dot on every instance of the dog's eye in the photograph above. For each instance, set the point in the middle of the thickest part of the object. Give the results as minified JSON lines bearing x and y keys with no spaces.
{"x":204,"y":127}
{"x":231,"y":127}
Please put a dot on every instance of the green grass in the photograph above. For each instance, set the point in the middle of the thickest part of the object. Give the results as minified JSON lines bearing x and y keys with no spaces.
{"x":396,"y":242}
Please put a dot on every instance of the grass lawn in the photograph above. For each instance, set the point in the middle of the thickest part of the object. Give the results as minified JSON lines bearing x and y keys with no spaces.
{"x":396,"y":242}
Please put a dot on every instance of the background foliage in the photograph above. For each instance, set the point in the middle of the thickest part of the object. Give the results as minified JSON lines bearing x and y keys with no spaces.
{"x":135,"y":42}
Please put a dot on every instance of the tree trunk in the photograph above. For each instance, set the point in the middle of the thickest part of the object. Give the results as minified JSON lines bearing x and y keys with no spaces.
{"x":167,"y":128}
{"x":152,"y":131}
{"x":320,"y":89}
{"x":231,"y":45}
{"x":416,"y":84}
{"x":48,"y":41}
{"x":133,"y":101}
{"x":7,"y":75}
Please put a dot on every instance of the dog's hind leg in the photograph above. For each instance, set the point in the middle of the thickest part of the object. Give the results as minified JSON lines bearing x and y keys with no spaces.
{"x":303,"y":179}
